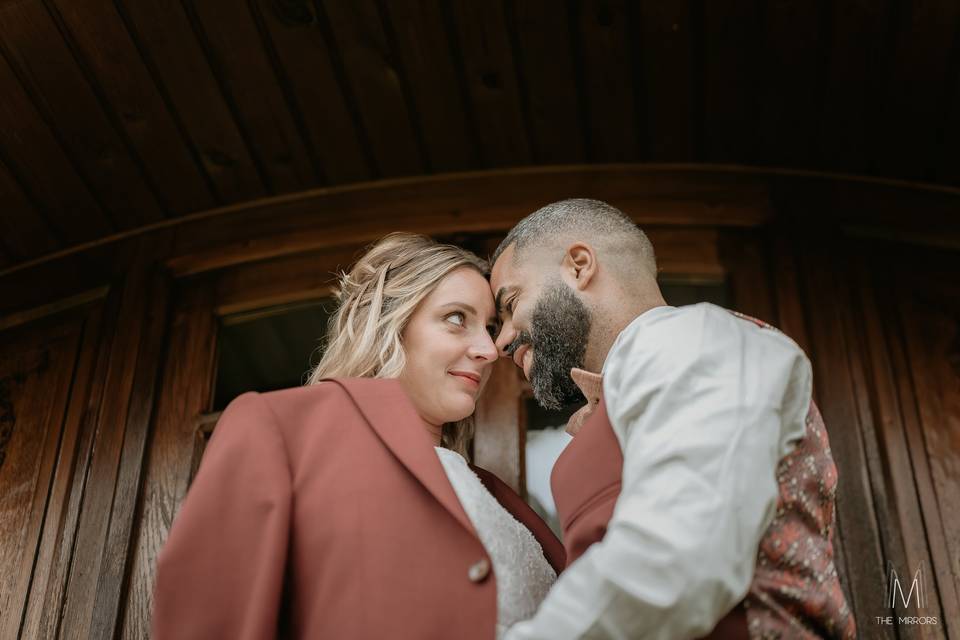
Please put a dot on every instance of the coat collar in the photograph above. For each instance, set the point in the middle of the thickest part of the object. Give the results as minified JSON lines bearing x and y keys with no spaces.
{"x":387,"y":408}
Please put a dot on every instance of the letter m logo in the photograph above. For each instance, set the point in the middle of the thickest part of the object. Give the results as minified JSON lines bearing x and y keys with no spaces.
{"x":915,"y":592}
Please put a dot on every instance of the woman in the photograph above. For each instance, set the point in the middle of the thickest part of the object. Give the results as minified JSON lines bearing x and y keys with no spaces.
{"x":345,"y":509}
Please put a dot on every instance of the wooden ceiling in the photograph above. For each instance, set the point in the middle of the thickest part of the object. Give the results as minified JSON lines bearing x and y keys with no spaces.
{"x":116,"y":115}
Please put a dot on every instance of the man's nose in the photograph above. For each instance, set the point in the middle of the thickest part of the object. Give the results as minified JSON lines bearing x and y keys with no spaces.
{"x":504,"y":338}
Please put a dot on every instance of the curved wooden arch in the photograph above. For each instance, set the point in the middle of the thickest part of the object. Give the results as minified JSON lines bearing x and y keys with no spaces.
{"x":492,"y":201}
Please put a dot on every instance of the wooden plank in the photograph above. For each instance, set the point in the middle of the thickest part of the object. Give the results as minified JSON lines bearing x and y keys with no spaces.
{"x":907,"y":130}
{"x":36,"y":369}
{"x":665,"y":33}
{"x":608,"y":83}
{"x":306,"y":65}
{"x":792,"y":66}
{"x":50,"y":72}
{"x":302,"y":276}
{"x":377,"y":81}
{"x":188,"y":374}
{"x":236,"y":52}
{"x":731,"y":56}
{"x":424,"y":53}
{"x":109,"y":602}
{"x":489,"y":201}
{"x":49,"y":584}
{"x":170,"y":49}
{"x":91,"y":565}
{"x":823,"y":298}
{"x":42,"y":166}
{"x":542,"y":32}
{"x":488,"y":69}
{"x":885,"y":441}
{"x":24,"y":231}
{"x":498,"y":438}
{"x":850,"y":84}
{"x":105,"y":49}
{"x":744,"y":256}
{"x":928,"y":292}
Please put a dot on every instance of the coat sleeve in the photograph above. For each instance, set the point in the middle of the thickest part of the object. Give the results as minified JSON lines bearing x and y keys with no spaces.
{"x":220,"y":574}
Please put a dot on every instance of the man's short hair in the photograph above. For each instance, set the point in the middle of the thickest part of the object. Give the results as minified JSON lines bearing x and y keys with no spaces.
{"x":607,"y":228}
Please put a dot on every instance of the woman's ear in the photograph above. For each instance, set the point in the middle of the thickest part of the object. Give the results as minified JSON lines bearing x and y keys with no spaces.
{"x":579,"y":265}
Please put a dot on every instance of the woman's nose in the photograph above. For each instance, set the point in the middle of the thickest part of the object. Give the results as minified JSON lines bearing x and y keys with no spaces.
{"x":484,"y":349}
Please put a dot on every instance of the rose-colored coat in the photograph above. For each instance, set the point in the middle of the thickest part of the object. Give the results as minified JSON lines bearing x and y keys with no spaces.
{"x":324,"y":512}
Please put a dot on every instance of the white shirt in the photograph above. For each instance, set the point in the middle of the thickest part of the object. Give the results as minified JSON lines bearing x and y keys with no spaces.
{"x":704,"y":405}
{"x":523,"y":575}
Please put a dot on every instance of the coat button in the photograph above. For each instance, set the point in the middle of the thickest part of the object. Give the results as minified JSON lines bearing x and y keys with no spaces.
{"x":479,"y":570}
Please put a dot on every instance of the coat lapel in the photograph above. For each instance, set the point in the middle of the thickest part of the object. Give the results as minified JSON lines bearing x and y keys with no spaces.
{"x":385,"y":406}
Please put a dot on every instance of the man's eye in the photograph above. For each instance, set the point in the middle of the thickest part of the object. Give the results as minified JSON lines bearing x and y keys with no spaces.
{"x":493,"y":330}
{"x":457,"y":318}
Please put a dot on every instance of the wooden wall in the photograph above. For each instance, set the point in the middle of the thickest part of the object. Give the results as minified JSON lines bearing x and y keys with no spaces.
{"x":107,"y":360}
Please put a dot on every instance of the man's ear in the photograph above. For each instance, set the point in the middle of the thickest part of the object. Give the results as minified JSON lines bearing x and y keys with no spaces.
{"x":580,"y":265}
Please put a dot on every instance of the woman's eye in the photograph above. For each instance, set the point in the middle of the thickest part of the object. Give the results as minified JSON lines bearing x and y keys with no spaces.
{"x":457,"y":318}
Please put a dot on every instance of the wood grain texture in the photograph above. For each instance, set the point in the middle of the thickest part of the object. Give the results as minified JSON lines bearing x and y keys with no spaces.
{"x":491,"y":81}
{"x":930,"y":319}
{"x":744,"y":254}
{"x":103,"y":45}
{"x":730,"y":61}
{"x":665,"y":33}
{"x":546,"y":67}
{"x":378,"y":83}
{"x":892,"y":473}
{"x":604,"y":33}
{"x":111,"y":592}
{"x":793,"y":59}
{"x":909,"y":106}
{"x":824,"y":297}
{"x":38,"y":363}
{"x":43,"y":167}
{"x":48,"y":68}
{"x":438,"y":103}
{"x":48,"y":589}
{"x":851,"y":84}
{"x":498,"y":438}
{"x":334,"y":130}
{"x":185,"y":385}
{"x":24,"y":230}
{"x":240,"y":61}
{"x":85,"y":577}
{"x":488,"y":201}
{"x":162,"y":33}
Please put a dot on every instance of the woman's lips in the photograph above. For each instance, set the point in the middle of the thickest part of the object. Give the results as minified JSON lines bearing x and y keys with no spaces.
{"x":467,"y":377}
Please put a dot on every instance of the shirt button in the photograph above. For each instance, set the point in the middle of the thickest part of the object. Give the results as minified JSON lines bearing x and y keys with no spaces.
{"x":479,"y":570}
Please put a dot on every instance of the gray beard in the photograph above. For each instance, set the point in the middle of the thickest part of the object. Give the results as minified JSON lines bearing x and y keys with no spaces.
{"x":559,"y":331}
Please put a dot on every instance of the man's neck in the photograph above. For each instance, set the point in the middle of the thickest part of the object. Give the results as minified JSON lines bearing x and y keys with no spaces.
{"x":606,"y":331}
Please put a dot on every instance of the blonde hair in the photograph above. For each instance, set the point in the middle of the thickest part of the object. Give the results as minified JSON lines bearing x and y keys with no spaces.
{"x":376,"y":299}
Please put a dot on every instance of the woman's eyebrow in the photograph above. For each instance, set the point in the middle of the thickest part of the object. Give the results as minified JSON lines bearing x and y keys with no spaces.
{"x":461,"y":305}
{"x":469,"y":309}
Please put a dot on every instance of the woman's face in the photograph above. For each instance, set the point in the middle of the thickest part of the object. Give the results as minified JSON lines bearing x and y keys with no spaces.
{"x":449,"y":348}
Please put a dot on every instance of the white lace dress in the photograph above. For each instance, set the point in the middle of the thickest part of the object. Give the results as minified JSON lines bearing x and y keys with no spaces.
{"x":523,"y":575}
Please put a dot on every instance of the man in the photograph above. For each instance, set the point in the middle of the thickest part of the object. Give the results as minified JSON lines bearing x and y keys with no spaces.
{"x":698,"y":495}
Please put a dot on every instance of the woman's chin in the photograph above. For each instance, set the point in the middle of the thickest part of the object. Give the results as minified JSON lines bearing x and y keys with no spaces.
{"x":460,"y":408}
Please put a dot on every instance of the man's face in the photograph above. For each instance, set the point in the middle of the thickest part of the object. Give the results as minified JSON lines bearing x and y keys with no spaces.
{"x":545,"y":327}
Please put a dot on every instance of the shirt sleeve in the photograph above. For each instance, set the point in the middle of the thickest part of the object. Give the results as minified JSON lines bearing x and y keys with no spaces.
{"x":704,"y":405}
{"x":220,"y":573}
